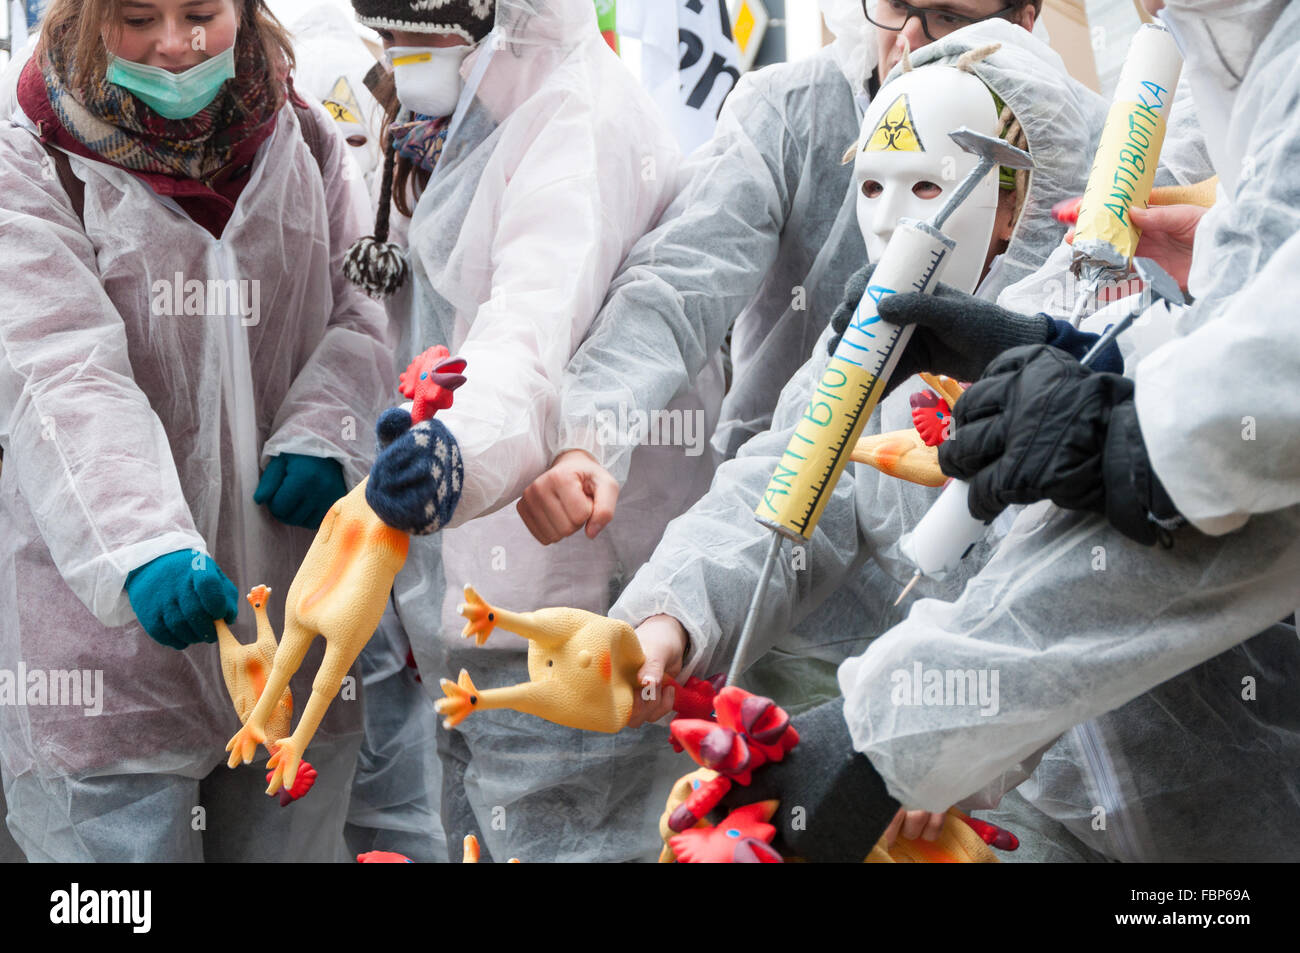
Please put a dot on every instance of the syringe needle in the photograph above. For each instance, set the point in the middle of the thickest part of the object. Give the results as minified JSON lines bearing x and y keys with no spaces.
{"x":751,"y":617}
{"x":908,"y":588}
{"x":1086,"y":291}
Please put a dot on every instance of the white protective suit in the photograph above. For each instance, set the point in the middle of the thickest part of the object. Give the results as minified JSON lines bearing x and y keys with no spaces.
{"x":128,"y":433}
{"x":1241,"y":65}
{"x":1194,"y":716}
{"x":555,"y":164}
{"x":760,"y":236}
{"x":398,"y":784}
{"x":704,"y":571}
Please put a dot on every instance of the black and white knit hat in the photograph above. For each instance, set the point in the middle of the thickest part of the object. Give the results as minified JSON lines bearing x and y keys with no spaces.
{"x":472,"y":19}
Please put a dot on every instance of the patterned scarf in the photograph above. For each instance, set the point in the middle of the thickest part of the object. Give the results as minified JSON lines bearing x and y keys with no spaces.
{"x":420,"y":140}
{"x":110,"y":122}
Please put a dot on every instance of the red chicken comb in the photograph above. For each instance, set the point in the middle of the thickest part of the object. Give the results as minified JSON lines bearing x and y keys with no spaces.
{"x":429,"y":381}
{"x":382,"y":857}
{"x":931,"y":416}
{"x":991,"y":834}
{"x":695,"y":698}
{"x":301,"y":784}
{"x":423,"y":362}
{"x":701,"y":801}
{"x":762,"y":722}
{"x":1066,"y":211}
{"x":743,"y":836}
{"x":713,"y":746}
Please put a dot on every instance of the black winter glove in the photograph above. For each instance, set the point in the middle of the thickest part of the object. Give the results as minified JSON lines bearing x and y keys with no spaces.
{"x":956,"y":334}
{"x":1039,"y":425}
{"x":845,"y":807}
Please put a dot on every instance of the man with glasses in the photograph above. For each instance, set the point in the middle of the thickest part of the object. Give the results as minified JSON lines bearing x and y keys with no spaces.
{"x":917,"y":24}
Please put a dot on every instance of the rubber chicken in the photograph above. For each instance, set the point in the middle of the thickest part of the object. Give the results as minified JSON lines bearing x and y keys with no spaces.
{"x":246,"y":669}
{"x":341,"y":589}
{"x":913,"y":454}
{"x":902,"y":454}
{"x":581,"y":667}
{"x":961,"y":841}
{"x":340,"y":592}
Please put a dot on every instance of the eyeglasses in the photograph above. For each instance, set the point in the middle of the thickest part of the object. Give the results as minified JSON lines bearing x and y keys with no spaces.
{"x":936,"y":24}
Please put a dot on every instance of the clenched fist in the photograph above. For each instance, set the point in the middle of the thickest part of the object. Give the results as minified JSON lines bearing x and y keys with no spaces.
{"x":575,"y":492}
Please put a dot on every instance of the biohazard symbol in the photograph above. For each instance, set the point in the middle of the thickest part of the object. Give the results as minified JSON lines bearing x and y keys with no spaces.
{"x":896,"y":131}
{"x":342,"y":102}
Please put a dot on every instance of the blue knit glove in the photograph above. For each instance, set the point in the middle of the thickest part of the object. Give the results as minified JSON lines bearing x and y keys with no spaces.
{"x":415,"y":483}
{"x":299,"y":490}
{"x":176,"y":602}
{"x":1065,"y":337}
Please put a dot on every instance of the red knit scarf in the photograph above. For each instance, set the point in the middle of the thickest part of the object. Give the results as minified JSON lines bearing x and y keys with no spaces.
{"x":113,"y":124}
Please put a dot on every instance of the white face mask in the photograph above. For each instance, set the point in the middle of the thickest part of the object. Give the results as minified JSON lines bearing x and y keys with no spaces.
{"x":909,"y":165}
{"x":345,"y":104}
{"x":428,"y":77}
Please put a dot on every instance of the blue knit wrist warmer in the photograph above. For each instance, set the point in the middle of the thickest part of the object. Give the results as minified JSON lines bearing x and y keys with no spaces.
{"x":1065,"y":337}
{"x":416,"y":480}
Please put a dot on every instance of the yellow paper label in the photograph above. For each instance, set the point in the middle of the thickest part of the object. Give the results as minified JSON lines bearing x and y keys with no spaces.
{"x":1124,"y":169}
{"x":837,"y":412}
{"x":412,"y":58}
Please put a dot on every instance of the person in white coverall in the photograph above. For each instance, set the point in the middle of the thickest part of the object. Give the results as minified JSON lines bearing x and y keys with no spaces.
{"x":542,"y":162}
{"x":1192,"y":710}
{"x":178,"y":337}
{"x":776,"y":263}
{"x":707,"y":588}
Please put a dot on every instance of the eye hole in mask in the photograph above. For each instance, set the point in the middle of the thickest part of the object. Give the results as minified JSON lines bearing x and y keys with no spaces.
{"x":924,"y":189}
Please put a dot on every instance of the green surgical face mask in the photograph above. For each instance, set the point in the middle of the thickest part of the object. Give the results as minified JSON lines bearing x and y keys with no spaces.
{"x":174,"y":95}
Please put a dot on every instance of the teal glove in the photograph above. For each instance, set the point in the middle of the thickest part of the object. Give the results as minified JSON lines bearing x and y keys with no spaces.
{"x":176,"y":603}
{"x":299,"y":490}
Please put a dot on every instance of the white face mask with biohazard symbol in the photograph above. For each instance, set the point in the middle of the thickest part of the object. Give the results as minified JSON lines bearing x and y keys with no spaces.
{"x":428,"y":77}
{"x":906,"y":166}
{"x":345,"y":104}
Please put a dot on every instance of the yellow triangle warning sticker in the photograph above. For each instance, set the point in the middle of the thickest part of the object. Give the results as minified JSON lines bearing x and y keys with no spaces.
{"x":896,"y":132}
{"x":342,"y":102}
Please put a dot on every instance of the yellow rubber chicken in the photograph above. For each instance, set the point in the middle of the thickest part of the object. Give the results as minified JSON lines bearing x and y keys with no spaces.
{"x":339,"y":592}
{"x":247,"y":667}
{"x":581,"y":667}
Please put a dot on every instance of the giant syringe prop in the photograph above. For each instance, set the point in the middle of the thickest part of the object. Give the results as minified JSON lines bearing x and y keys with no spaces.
{"x":1124,"y":166}
{"x":856,"y":375}
{"x":948,"y":531}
